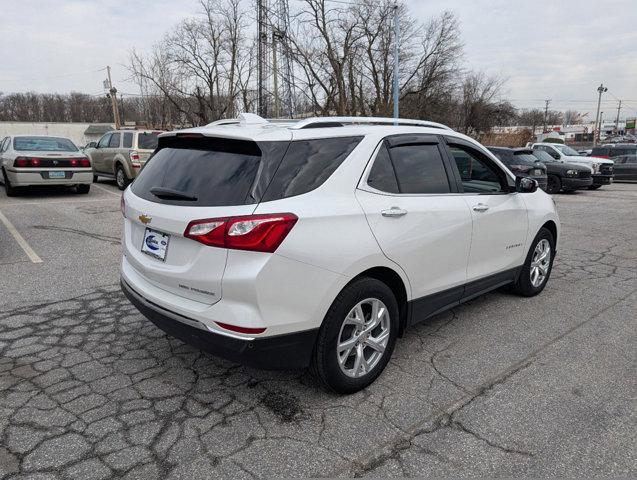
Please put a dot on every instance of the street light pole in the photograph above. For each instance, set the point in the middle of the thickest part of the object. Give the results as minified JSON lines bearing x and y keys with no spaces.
{"x":596,"y":133}
{"x":396,"y":65}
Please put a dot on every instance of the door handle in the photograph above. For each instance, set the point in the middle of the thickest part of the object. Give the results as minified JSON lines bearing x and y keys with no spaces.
{"x":480,"y":207}
{"x":393,"y":212}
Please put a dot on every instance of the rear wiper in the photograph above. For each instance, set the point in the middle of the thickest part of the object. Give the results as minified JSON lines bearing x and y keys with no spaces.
{"x":169,"y":193}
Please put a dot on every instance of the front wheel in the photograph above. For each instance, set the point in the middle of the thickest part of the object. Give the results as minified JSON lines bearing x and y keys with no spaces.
{"x":120,"y":178}
{"x":538,"y":265}
{"x":554,"y":184}
{"x":357,"y":336}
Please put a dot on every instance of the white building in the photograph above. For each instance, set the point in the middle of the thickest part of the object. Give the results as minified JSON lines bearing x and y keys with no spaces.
{"x":79,"y":133}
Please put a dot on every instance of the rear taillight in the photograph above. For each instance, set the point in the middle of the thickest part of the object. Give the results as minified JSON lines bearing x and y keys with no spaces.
{"x":85,"y":162}
{"x":134,"y":156}
{"x":21,"y":162}
{"x":258,"y":233}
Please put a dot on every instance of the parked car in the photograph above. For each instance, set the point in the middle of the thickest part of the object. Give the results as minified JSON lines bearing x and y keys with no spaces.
{"x":602,"y":169}
{"x":611,"y":151}
{"x":121,"y":154}
{"x":521,"y":162}
{"x":585,"y":153}
{"x":626,"y":168}
{"x":564,"y":177}
{"x":317,"y":243}
{"x":28,"y":160}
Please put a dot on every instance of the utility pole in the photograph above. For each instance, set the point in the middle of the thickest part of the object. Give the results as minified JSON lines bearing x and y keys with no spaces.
{"x":546,"y":112}
{"x":619,"y":107}
{"x":262,"y":38}
{"x":113,"y":94}
{"x":597,"y":132}
{"x":396,"y":63}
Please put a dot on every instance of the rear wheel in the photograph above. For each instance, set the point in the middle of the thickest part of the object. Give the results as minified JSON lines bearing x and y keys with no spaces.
{"x":120,"y":178}
{"x":554,"y":184}
{"x":83,"y":188}
{"x":538,"y":265}
{"x":9,"y":189}
{"x":357,"y":336}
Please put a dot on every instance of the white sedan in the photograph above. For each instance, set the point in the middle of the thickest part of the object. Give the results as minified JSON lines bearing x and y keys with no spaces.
{"x":40,"y":160}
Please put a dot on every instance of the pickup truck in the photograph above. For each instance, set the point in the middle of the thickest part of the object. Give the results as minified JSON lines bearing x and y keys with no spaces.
{"x":601,"y":168}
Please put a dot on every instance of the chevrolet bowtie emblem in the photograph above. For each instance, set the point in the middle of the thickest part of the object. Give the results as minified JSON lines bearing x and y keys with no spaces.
{"x":145,"y":219}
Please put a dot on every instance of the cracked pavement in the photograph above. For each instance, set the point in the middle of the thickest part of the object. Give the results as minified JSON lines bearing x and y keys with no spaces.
{"x":500,"y":386}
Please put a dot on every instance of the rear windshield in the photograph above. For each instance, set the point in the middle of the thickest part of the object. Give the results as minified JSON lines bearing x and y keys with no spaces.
{"x":543,"y":156}
{"x":619,"y":151}
{"x":44,"y":144}
{"x":524,"y":158}
{"x":221,"y":172}
{"x":147,"y":140}
{"x":600,"y":151}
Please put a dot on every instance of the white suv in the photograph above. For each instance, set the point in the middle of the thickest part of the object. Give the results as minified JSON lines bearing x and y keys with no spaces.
{"x":316,"y":243}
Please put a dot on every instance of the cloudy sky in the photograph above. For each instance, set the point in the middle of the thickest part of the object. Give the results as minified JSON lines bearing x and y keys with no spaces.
{"x":556,"y":49}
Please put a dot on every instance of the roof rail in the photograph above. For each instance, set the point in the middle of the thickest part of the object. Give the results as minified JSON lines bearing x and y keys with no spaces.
{"x":319,"y":122}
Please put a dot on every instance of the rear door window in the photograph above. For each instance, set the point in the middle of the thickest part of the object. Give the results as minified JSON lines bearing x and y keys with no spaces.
{"x":419,"y":169}
{"x":382,"y":176}
{"x":127,"y":141}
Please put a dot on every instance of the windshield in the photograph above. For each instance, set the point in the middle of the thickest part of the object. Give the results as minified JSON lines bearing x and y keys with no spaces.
{"x":566,"y":150}
{"x":44,"y":144}
{"x":543,"y":156}
{"x":147,"y":140}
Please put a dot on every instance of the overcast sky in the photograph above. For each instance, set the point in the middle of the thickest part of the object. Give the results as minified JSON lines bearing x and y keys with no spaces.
{"x":559,"y":49}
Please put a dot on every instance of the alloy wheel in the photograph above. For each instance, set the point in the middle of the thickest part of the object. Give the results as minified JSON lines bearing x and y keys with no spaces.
{"x":540,"y":263}
{"x":120,"y":179}
{"x":363,"y":337}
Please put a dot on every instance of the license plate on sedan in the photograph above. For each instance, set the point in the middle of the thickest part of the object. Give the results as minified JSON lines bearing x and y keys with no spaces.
{"x":57,"y":175}
{"x":155,"y":244}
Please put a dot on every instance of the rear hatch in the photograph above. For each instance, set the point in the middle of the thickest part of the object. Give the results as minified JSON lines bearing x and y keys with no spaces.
{"x":189,"y":178}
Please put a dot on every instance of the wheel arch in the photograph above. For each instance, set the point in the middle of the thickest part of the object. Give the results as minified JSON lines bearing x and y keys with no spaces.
{"x":395,"y":282}
{"x":551,"y":226}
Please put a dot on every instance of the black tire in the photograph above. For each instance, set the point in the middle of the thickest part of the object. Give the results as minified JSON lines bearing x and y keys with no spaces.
{"x":524,"y":285}
{"x":594,"y":187}
{"x":95,"y":178}
{"x":10,"y":190}
{"x":121,"y":179}
{"x":83,"y":188}
{"x":325,"y":366}
{"x":553,"y":184}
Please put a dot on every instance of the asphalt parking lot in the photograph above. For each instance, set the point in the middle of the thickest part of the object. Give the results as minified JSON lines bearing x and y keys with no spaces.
{"x":501,"y":386}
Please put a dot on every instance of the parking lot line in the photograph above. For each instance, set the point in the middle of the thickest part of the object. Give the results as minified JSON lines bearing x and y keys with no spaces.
{"x":20,"y":239}
{"x":107,"y":190}
{"x":62,"y":202}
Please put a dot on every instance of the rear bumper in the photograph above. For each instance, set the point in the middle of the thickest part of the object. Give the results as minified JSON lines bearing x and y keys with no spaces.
{"x":576,"y":183}
{"x":22,"y":178}
{"x":289,"y":351}
{"x":602,"y":179}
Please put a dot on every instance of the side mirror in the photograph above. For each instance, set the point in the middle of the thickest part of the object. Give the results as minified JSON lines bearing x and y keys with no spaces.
{"x":525,"y":185}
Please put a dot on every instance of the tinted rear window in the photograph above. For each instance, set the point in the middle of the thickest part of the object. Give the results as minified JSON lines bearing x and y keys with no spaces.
{"x":618,"y":151}
{"x":147,"y":140}
{"x":44,"y":144}
{"x":218,"y":172}
{"x":524,"y":159}
{"x":600,"y":151}
{"x":419,"y":169}
{"x":307,"y":164}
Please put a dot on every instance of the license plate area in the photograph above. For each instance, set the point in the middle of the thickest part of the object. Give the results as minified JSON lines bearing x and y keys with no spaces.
{"x":57,"y":174}
{"x":155,"y":244}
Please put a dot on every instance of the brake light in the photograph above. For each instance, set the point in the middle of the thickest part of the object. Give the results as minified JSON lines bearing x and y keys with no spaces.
{"x":235,"y":328}
{"x":73,"y":162}
{"x":134,"y":156}
{"x":257,"y":233}
{"x":85,"y":162}
{"x":21,"y":162}
{"x":35,"y":162}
